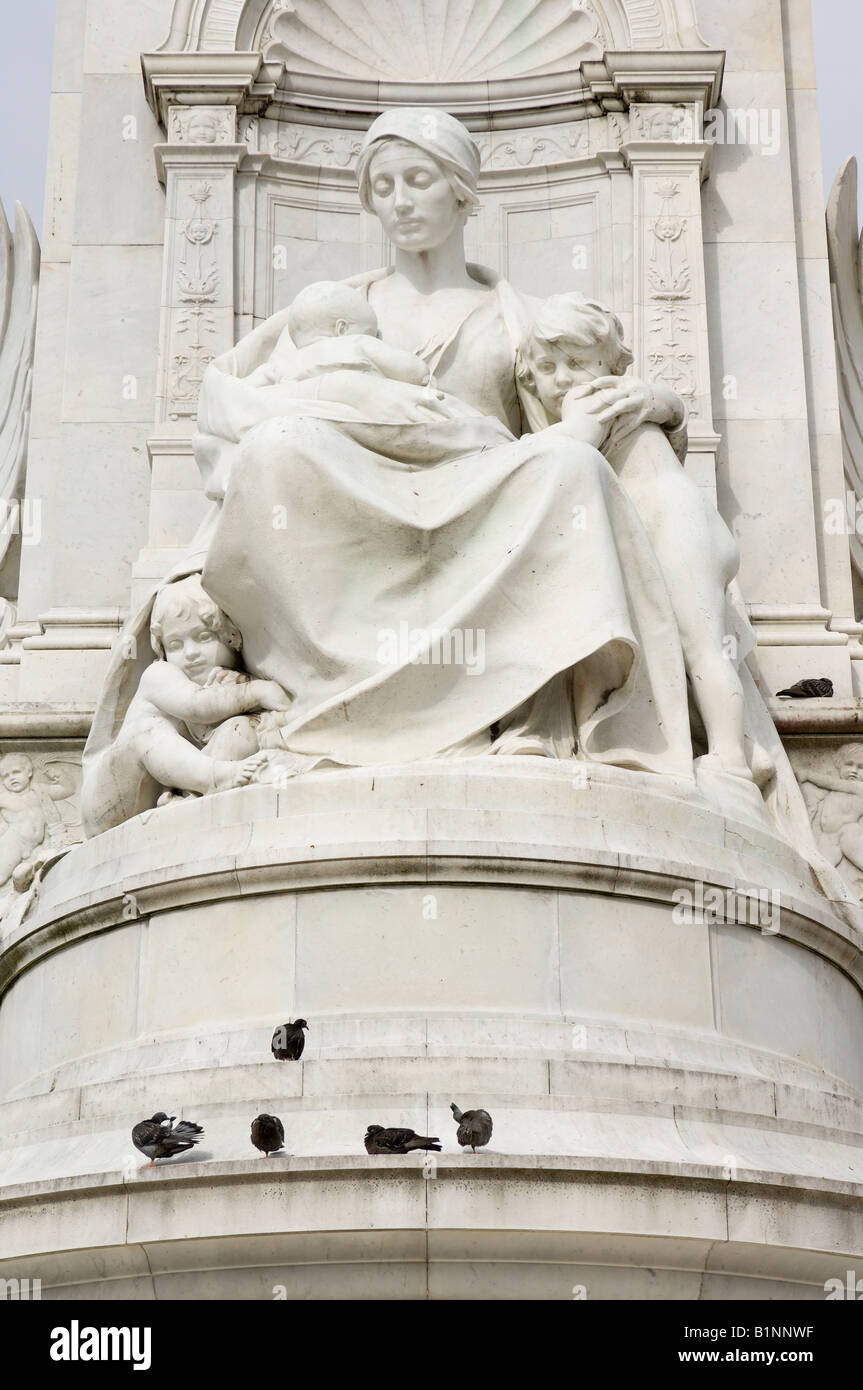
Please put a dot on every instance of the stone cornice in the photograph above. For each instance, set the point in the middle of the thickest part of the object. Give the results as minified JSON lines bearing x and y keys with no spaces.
{"x":661,"y":76}
{"x":608,"y":84}
{"x":45,"y":721}
{"x":817,"y":717}
{"x":479,"y":1168}
{"x":243,"y":80}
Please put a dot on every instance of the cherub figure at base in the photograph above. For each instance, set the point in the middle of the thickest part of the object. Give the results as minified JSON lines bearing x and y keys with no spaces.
{"x":188,"y":726}
{"x":29,"y":815}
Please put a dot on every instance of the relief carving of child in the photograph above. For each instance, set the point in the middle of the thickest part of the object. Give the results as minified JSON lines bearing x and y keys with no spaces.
{"x":28,"y":813}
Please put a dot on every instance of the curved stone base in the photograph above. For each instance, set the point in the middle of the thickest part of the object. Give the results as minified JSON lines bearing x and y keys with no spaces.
{"x":493,"y":1226}
{"x":677,"y":1102}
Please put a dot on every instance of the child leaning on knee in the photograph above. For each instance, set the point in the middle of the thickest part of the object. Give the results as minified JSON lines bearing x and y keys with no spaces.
{"x":573,"y":343}
{"x":570,"y":366}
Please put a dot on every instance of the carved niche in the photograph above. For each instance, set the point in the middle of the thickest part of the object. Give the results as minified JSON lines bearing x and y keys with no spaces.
{"x":450,"y":40}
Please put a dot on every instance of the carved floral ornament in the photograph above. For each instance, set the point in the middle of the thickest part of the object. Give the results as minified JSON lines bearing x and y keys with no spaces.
{"x":196,"y":282}
{"x":517,"y":149}
{"x":452,"y":41}
{"x":671,"y":330}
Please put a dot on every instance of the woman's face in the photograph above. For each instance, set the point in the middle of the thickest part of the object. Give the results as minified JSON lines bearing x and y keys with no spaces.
{"x":413,"y":198}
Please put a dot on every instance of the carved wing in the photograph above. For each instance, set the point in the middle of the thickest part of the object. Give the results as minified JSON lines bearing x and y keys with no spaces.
{"x":19,"y":282}
{"x":845,"y":250}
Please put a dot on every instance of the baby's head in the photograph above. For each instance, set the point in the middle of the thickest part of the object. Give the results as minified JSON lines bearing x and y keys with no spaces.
{"x":189,"y":630}
{"x":572,"y":340}
{"x":849,"y":762}
{"x":16,"y":771}
{"x":329,"y":309}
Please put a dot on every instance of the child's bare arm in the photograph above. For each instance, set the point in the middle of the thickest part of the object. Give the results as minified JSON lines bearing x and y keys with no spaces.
{"x":175,"y":695}
{"x":832,"y":782}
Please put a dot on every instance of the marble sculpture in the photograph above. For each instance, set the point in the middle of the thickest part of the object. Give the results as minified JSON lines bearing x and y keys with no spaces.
{"x":426,"y":443}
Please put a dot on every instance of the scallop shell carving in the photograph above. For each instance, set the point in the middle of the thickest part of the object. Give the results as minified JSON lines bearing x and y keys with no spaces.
{"x":438,"y":41}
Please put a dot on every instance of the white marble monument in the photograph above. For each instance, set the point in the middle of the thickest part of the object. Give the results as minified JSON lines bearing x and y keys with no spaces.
{"x":436,"y":449}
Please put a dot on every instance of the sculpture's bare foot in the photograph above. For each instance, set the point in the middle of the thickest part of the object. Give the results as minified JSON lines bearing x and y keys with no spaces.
{"x":734,"y":794}
{"x":731,"y":767}
{"x":236,"y":774}
{"x":763,"y":766}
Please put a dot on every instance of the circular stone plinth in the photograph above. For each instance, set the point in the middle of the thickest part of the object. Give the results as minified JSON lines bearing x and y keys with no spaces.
{"x":510,"y":933}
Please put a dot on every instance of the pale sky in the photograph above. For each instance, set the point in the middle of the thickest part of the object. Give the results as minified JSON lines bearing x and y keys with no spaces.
{"x":28,"y":27}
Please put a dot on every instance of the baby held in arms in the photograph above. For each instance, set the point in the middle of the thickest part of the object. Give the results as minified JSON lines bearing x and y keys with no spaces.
{"x":187,"y":725}
{"x":572,"y":342}
{"x":331,"y":351}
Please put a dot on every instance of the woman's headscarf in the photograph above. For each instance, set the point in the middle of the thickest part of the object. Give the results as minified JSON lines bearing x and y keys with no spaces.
{"x":434,"y":132}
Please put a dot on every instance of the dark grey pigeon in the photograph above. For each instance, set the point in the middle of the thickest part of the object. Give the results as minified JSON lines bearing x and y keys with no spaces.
{"x":289,"y":1041}
{"x":474,"y":1127}
{"x":160,"y":1137}
{"x":397,"y":1141}
{"x":268,"y":1134}
{"x":808,"y":689}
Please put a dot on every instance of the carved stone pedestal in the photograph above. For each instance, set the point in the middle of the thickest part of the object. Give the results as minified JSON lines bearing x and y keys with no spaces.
{"x":677,"y":1100}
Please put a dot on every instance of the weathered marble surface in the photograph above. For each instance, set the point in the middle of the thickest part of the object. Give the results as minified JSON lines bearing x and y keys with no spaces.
{"x":677,"y":1104}
{"x":503,"y":930}
{"x":350,"y":451}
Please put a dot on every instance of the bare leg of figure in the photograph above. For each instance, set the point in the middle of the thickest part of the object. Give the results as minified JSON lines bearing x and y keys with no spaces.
{"x":174,"y":762}
{"x":232,"y":741}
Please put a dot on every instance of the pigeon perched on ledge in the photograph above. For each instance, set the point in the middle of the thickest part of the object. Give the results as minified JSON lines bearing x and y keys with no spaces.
{"x":807,"y":689}
{"x":160,"y":1137}
{"x":289,"y":1041}
{"x":397,"y":1141}
{"x":268,"y":1134}
{"x":474,"y":1126}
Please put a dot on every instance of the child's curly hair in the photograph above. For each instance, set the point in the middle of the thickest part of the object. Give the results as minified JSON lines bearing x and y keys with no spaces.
{"x":850,"y":752}
{"x":187,"y":598}
{"x":572,"y":318}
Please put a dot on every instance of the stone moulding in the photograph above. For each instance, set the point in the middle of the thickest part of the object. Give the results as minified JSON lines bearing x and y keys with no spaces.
{"x":220,"y":25}
{"x":257,"y":841}
{"x":604,"y":85}
{"x":643,"y":1091}
{"x":598,"y":1218}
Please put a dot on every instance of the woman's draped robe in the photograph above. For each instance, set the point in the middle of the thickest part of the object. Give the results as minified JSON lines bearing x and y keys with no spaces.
{"x":358,"y":558}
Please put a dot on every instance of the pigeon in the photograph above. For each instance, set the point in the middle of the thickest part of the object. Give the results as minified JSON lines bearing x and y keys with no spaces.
{"x":808,"y":689}
{"x":288,"y":1041}
{"x":474,"y":1126}
{"x":397,"y":1141}
{"x":159,"y":1137}
{"x":268,"y":1134}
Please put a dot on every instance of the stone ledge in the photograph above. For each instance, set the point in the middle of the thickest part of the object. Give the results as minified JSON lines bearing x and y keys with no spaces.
{"x":836,"y":715}
{"x":20,"y":721}
{"x":405,"y":1167}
